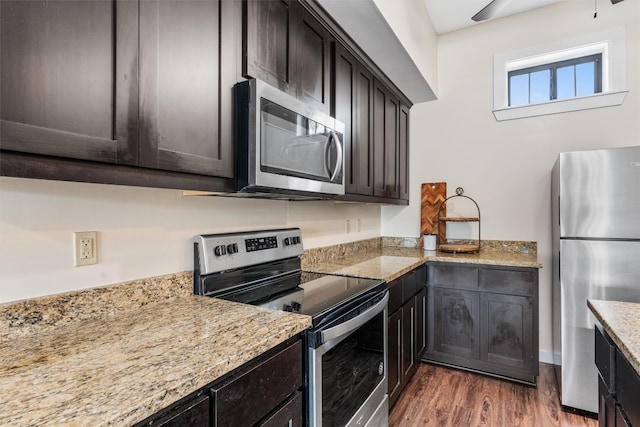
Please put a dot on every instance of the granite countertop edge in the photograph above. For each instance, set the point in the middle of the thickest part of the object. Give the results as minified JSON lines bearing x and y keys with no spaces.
{"x":115,"y":372}
{"x":621,"y":321}
{"x":381,"y":265}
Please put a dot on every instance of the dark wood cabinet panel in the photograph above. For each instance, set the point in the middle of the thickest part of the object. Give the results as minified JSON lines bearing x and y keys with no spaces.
{"x":313,"y":62}
{"x":269,"y":43}
{"x":407,"y":335}
{"x":344,"y":108}
{"x":478,"y":318}
{"x":509,"y":334}
{"x":408,"y":339}
{"x":394,"y":359}
{"x":457,"y":322}
{"x":135,"y":84}
{"x":353,"y":105}
{"x":364,"y":132}
{"x":386,"y":110}
{"x":275,"y":379}
{"x":69,"y":79}
{"x":420,"y":344}
{"x":185,"y":96}
{"x":290,"y":49}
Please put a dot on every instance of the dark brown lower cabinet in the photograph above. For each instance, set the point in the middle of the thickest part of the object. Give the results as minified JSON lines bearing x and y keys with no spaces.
{"x":483,"y":318}
{"x":618,"y":385}
{"x":265,"y":392}
{"x":406,"y":335}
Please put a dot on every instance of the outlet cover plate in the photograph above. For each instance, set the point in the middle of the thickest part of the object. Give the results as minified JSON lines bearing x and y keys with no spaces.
{"x":85,"y":248}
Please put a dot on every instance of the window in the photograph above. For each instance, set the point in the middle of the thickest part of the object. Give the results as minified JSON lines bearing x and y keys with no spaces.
{"x":583,"y":72}
{"x":559,"y":80}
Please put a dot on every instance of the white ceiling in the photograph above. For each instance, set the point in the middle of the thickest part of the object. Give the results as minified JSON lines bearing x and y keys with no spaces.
{"x":450,"y":15}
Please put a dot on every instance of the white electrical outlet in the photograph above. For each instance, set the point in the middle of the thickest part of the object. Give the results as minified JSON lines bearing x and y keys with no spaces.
{"x":85,"y":248}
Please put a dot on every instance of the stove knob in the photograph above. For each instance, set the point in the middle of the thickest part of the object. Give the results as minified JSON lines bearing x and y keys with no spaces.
{"x":295,"y":306}
{"x":220,"y":250}
{"x":232,"y":248}
{"x":287,"y":307}
{"x":286,"y":241}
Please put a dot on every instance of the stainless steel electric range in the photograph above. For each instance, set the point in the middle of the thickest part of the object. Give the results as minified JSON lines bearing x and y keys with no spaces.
{"x":347,"y":344}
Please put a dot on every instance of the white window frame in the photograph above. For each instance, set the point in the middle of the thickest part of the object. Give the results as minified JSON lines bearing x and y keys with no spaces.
{"x":612,"y":45}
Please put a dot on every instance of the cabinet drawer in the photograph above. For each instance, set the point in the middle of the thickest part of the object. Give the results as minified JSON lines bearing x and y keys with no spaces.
{"x":508,"y":281}
{"x":457,"y":276}
{"x":409,"y":285}
{"x":606,"y":360}
{"x":246,"y":399}
{"x":395,"y":295}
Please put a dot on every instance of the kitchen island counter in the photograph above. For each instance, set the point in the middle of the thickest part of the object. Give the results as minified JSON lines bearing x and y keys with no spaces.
{"x":621,"y":321}
{"x":122,"y":369}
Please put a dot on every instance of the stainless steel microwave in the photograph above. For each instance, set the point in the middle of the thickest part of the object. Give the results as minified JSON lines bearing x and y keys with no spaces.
{"x":284,"y":147}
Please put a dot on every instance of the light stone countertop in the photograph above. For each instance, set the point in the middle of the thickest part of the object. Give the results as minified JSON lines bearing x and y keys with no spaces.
{"x":390,"y":263}
{"x":621,"y":321}
{"x":120,"y":370}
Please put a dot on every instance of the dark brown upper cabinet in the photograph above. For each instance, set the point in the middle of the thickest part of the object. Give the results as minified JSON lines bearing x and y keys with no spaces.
{"x":69,"y":79}
{"x":145,"y":84}
{"x":353,"y":105}
{"x":386,"y":151}
{"x":287,"y":47}
{"x":186,"y":75}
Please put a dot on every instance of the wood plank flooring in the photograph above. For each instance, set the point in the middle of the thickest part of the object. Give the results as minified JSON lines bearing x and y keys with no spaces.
{"x":439,"y":396}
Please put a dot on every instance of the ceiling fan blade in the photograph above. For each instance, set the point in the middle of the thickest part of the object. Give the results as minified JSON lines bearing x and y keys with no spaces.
{"x":491,"y":9}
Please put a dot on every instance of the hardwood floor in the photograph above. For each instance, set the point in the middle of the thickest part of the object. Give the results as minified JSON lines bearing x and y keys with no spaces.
{"x":439,"y":396}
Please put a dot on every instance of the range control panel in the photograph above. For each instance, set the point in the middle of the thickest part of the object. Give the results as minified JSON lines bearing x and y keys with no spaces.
{"x":220,"y":252}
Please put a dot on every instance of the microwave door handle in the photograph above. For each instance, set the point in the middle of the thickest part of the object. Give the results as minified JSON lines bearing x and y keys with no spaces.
{"x":333,"y":136}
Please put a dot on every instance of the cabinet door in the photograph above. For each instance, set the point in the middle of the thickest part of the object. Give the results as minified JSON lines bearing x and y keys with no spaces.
{"x":386,"y":133}
{"x":269,"y":46}
{"x":313,"y":61}
{"x":408,"y":340}
{"x":420,"y":337}
{"x":186,"y":76}
{"x":403,"y":161}
{"x":344,"y":108}
{"x":456,"y":323}
{"x":364,"y":131}
{"x":394,"y":362}
{"x":68,"y":75}
{"x":508,"y":321}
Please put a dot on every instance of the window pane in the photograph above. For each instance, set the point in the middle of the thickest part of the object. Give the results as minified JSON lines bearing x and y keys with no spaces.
{"x":585,"y":79}
{"x":566,"y":82}
{"x":540,"y":87}
{"x":519,"y":90}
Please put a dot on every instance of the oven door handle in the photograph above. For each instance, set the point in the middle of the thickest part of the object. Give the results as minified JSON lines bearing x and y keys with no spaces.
{"x":353,"y":324}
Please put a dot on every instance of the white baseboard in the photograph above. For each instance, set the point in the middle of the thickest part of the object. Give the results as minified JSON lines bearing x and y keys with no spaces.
{"x":550,"y":357}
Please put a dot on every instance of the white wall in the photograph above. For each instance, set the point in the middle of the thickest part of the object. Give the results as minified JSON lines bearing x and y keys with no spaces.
{"x":142,"y":232}
{"x":505,"y":166}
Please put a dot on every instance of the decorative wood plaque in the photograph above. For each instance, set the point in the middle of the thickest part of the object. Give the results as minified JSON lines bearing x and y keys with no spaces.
{"x":433,"y":194}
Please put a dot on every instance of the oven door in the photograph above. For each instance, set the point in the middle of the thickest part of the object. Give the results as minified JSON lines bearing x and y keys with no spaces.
{"x":348,"y":371}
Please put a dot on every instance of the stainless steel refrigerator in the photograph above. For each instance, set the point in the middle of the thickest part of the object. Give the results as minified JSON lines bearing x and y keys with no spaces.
{"x":596,"y":254}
